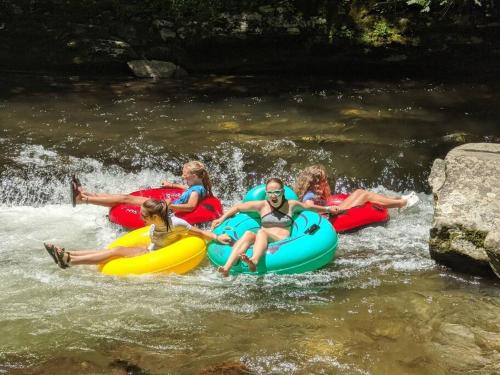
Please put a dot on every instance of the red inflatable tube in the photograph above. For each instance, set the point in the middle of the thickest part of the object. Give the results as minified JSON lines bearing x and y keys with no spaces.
{"x":357,"y":217}
{"x":129,"y":216}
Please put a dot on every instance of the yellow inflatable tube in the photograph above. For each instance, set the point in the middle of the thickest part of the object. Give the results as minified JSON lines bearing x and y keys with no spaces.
{"x":180,"y":257}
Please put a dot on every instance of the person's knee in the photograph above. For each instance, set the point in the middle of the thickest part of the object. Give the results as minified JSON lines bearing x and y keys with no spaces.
{"x":115,"y":251}
{"x":359,"y":192}
{"x":119,"y":251}
{"x":248,"y":235}
{"x":247,"y":239}
{"x":128,"y":199}
{"x":368,"y":195}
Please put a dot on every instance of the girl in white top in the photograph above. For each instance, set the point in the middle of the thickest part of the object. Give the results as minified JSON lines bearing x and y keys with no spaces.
{"x":165,"y":230}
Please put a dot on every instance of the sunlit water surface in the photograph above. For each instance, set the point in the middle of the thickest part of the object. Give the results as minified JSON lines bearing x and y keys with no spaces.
{"x":383,"y":306}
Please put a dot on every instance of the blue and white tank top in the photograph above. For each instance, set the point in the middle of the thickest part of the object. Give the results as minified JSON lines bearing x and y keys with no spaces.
{"x":184,"y":198}
{"x":310,"y":196}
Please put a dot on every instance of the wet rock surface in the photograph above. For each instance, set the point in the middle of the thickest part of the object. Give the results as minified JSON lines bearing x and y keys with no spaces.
{"x":466,"y":188}
{"x":492,"y":246}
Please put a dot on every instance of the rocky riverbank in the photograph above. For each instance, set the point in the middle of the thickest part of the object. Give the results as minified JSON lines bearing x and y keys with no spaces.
{"x":250,"y":37}
{"x":466,"y":188}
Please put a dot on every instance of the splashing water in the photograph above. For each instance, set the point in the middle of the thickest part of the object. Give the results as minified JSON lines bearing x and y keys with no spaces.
{"x":382,"y":291}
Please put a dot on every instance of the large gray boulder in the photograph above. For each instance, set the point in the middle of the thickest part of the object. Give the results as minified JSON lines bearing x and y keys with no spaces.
{"x":466,"y":187}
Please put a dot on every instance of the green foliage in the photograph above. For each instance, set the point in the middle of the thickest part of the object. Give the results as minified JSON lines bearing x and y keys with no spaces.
{"x":371,"y":22}
{"x":382,"y":33}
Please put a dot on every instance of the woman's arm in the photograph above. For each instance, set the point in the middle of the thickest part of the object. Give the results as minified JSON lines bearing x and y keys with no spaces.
{"x":308,"y":205}
{"x":191,"y":204}
{"x":171,"y":185}
{"x":255,"y":206}
{"x":211,"y":236}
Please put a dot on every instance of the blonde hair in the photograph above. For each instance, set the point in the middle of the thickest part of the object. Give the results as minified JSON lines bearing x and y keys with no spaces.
{"x":310,"y":176}
{"x":198,"y":169}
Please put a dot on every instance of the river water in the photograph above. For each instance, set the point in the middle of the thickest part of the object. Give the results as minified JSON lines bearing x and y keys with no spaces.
{"x":383,"y":306}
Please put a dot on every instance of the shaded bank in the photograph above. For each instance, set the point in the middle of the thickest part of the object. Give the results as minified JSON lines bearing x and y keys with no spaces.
{"x":312,"y":37}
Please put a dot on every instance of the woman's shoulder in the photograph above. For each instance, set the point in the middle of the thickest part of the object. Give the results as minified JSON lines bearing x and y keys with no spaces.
{"x":252,"y":205}
{"x":308,"y":196}
{"x":200,"y":189}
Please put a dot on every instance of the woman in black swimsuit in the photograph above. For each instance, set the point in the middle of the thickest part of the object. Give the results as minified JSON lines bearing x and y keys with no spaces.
{"x":276,"y":217}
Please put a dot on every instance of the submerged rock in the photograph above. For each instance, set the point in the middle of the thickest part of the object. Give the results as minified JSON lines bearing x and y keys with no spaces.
{"x":167,"y":34}
{"x":456,"y":346}
{"x":227,"y":369}
{"x":466,"y":187}
{"x":460,"y":137}
{"x":154,"y":68}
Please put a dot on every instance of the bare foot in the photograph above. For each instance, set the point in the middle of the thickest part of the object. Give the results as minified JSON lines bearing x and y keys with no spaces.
{"x":223,"y":272}
{"x":338,"y":211}
{"x":251,"y":265}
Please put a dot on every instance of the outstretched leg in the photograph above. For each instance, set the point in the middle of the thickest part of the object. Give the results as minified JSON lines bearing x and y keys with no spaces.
{"x":99,"y":256}
{"x":360,"y":197}
{"x":260,"y":246}
{"x":109,"y":200}
{"x":239,"y":247}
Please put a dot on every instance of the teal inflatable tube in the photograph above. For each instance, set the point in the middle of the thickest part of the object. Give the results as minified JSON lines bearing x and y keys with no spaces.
{"x":311,"y":245}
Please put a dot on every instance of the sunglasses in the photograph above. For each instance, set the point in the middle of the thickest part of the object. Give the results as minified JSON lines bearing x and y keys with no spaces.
{"x":144,"y":216}
{"x":278,"y":193}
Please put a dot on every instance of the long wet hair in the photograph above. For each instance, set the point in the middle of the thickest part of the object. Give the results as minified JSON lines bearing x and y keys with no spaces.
{"x":158,"y":207}
{"x":198,"y":169}
{"x":310,"y":176}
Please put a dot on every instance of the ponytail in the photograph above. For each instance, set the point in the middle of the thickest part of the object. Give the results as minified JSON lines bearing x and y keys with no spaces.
{"x":206,"y":183}
{"x":165,"y":214}
{"x":198,"y":169}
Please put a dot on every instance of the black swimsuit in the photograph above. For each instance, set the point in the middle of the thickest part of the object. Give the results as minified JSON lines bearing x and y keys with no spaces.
{"x":276,"y":218}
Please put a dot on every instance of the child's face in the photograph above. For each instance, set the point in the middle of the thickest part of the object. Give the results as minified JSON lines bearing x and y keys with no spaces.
{"x":150,"y":219}
{"x":146,"y":217}
{"x":318,"y":185}
{"x":274,"y":193}
{"x":190,"y":178}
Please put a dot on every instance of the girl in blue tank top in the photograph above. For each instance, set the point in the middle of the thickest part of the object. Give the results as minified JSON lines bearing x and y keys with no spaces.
{"x":197,"y":186}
